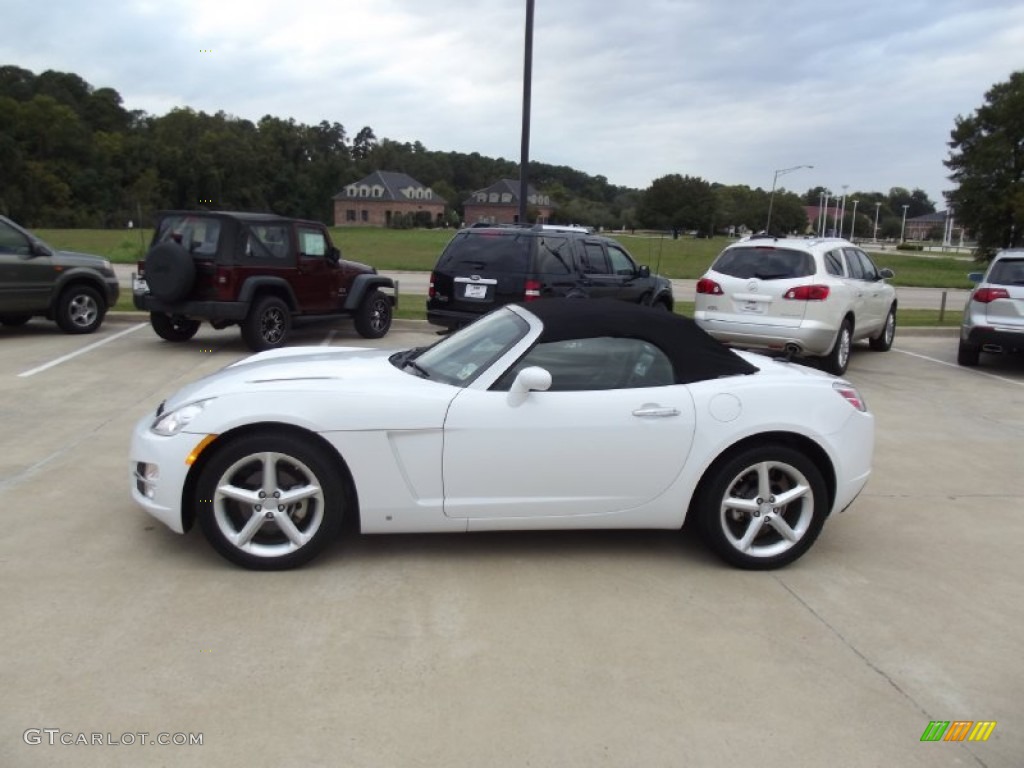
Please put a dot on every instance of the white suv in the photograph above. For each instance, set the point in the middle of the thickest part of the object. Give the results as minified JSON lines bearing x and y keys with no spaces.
{"x":811,"y":297}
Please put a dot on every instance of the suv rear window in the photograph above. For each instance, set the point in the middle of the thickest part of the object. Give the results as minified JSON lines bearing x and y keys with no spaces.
{"x":764,"y":263}
{"x":196,"y":234}
{"x":489,"y":251}
{"x":1007,"y":272}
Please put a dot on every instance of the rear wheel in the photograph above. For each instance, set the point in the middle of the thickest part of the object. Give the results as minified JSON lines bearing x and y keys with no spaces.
{"x":14,"y":321}
{"x":883,"y":341}
{"x":968,"y":354}
{"x":763,"y":508}
{"x":173,"y":327}
{"x":373,"y":318}
{"x":835,"y":362}
{"x":267,"y":325}
{"x":80,"y":309}
{"x":270,"y":501}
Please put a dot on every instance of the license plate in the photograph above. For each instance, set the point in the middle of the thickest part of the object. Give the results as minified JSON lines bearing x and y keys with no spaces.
{"x":476,"y":291}
{"x":139,"y":286}
{"x":753,"y":306}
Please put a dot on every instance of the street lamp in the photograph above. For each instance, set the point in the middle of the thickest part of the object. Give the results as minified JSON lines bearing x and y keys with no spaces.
{"x":853,"y":221}
{"x":771,"y":198}
{"x":877,"y":206}
{"x":826,"y":194}
{"x":903,"y":226}
{"x":842,"y":217}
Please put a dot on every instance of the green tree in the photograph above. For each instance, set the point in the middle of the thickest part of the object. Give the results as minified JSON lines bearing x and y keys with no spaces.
{"x":987,"y":165}
{"x":679,"y":202}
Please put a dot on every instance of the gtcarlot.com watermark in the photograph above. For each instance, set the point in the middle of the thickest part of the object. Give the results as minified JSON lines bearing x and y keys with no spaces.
{"x":58,"y":736}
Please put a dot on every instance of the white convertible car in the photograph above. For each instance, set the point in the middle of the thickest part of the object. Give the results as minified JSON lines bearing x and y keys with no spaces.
{"x":563,"y":414}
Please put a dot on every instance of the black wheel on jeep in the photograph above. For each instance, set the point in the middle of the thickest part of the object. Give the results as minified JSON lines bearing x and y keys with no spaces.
{"x":267,"y":324}
{"x":373,"y":318}
{"x":173,"y":327}
{"x":170,"y":271}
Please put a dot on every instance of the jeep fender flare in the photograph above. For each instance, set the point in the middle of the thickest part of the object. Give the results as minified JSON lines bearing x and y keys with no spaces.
{"x":364,"y":284}
{"x":275,"y":285}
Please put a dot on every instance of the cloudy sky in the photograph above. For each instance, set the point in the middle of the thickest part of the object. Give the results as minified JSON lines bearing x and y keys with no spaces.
{"x":729,"y":90}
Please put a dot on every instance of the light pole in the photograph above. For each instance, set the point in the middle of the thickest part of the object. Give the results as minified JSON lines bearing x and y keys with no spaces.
{"x":771,"y":198}
{"x":842,"y":216}
{"x":903,"y":226}
{"x":877,"y":206}
{"x":853,"y":221}
{"x":824,"y":211}
{"x":837,"y":230}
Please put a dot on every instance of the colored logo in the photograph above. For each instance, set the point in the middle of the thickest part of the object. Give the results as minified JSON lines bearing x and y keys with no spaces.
{"x":958,"y":730}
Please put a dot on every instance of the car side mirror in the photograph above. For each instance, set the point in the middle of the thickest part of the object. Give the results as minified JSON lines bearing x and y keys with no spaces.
{"x":644,"y":271}
{"x":975,"y":277}
{"x":38,"y":249}
{"x":530,"y":379}
{"x":334,"y":254}
{"x":886,"y":273}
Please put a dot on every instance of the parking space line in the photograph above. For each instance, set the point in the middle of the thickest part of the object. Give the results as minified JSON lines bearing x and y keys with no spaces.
{"x":960,"y":367}
{"x":76,"y":353}
{"x":330,"y":337}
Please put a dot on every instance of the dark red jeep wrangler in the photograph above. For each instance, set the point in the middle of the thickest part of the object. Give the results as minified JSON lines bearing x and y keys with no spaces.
{"x":255,"y":270}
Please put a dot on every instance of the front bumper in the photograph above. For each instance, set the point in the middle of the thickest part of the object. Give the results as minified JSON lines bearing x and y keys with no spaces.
{"x":158,"y":471}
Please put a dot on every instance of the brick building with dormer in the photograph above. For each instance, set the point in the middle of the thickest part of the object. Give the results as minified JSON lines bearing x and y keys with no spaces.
{"x":374,"y":201}
{"x":499,"y":204}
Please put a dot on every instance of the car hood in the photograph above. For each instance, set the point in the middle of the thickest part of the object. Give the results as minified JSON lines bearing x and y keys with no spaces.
{"x":74,"y":259}
{"x":303,"y":369}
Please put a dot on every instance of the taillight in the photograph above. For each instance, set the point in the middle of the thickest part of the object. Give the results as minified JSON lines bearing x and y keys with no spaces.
{"x":807,"y":293}
{"x":141,"y":266}
{"x":532,"y":290}
{"x":986,"y":295}
{"x":707,"y":285}
{"x":430,"y":290}
{"x":850,"y":395}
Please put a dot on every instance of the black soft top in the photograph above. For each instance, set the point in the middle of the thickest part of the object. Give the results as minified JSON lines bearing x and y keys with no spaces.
{"x":695,"y":356}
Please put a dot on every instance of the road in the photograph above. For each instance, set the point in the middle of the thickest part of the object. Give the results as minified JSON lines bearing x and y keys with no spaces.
{"x":416,"y":283}
{"x":584,"y":649}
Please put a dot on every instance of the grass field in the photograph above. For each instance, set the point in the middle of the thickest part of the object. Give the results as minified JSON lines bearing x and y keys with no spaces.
{"x":418,"y":249}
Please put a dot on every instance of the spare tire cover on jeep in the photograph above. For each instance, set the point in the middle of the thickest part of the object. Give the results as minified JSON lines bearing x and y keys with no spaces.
{"x":170,"y":271}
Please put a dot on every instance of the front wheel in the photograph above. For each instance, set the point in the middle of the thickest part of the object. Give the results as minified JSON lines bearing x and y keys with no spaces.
{"x":373,"y":318}
{"x":763,"y":508}
{"x":835,"y":362}
{"x":269,"y":501}
{"x":267,"y":325}
{"x":80,"y":309}
{"x":883,"y":341}
{"x":173,"y":327}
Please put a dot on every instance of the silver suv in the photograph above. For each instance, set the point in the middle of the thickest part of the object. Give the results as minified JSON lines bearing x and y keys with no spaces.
{"x":812,"y":297}
{"x":994,"y":316}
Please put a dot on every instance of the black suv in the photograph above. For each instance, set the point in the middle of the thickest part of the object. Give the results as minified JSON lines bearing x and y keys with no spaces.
{"x":258,"y":271}
{"x":73,"y":289}
{"x":483,"y":268}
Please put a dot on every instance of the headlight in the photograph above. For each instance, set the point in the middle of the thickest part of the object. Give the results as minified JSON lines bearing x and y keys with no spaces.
{"x":107,"y":265}
{"x":172,"y":422}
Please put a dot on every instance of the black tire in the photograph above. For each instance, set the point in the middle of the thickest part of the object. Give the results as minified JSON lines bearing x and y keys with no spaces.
{"x":373,"y":318}
{"x":80,"y":309}
{"x":968,"y":354}
{"x":739,"y":478}
{"x":14,"y":321}
{"x":883,"y":341}
{"x":170,"y":271}
{"x":267,"y":325}
{"x":238,"y":468}
{"x":836,"y":361}
{"x":173,"y":327}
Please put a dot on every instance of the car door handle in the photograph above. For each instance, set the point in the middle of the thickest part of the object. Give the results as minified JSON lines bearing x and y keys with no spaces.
{"x":655,"y":412}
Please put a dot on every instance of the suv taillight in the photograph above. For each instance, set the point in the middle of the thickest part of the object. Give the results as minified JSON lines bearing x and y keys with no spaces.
{"x":807,"y":293}
{"x":707,"y":285}
{"x":531,"y":290}
{"x":141,"y":266}
{"x":430,"y":289}
{"x":986,"y":295}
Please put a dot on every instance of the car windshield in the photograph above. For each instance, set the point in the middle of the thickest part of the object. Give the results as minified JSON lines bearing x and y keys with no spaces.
{"x":764,"y":263}
{"x":461,"y":357}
